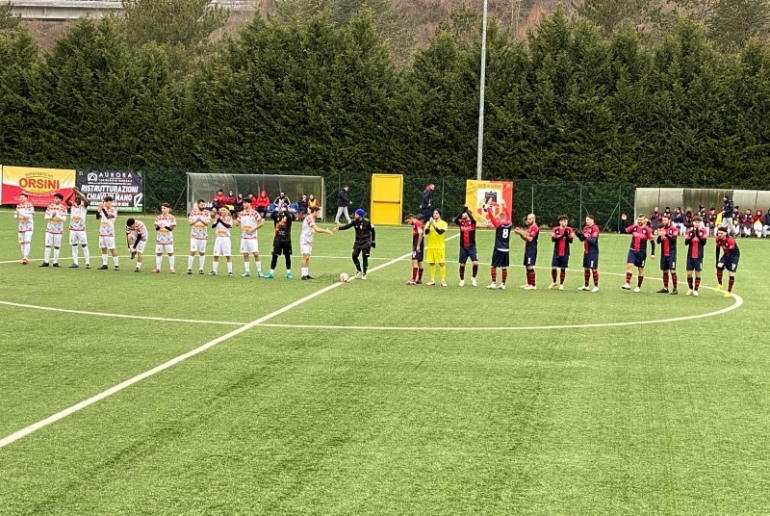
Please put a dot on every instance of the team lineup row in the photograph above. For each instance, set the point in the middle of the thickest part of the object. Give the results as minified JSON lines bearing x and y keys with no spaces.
{"x":428,"y":240}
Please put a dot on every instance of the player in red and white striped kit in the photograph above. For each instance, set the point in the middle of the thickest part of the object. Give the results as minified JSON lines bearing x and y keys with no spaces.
{"x":164,"y":238}
{"x":106,"y":215}
{"x":78,"y":211}
{"x":24,"y":214}
{"x":199,"y":221}
{"x":55,"y":215}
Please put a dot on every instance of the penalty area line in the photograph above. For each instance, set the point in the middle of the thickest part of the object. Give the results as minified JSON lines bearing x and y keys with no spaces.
{"x":20,"y":434}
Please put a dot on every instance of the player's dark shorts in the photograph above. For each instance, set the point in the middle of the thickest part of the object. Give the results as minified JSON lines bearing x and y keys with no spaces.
{"x":282,"y":247}
{"x":637,"y":258}
{"x":591,"y":261}
{"x":360,"y":249}
{"x":560,"y":262}
{"x":500,"y":258}
{"x":730,"y":262}
{"x":668,"y":263}
{"x":694,"y":264}
{"x":530,"y":259}
{"x":468,"y":252}
{"x":417,"y":254}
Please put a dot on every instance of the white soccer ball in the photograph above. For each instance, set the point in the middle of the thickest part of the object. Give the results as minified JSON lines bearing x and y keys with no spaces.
{"x":344,"y":278}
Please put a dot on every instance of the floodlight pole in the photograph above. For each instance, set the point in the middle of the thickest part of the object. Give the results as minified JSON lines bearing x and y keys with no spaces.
{"x":482,"y":85}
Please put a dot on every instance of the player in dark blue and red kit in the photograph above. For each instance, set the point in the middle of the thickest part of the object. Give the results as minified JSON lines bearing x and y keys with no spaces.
{"x":530,"y":249}
{"x":562,"y":237}
{"x":467,"y":224}
{"x":729,"y":259}
{"x":695,"y":238}
{"x":590,"y":238}
{"x":667,"y":235}
{"x":502,"y":251}
{"x":418,"y":248}
{"x":637,"y":253}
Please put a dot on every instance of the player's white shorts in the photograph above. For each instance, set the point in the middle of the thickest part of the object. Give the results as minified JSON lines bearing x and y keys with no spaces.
{"x":198,"y":246}
{"x":305,"y":249}
{"x":107,"y":242}
{"x":78,"y":238}
{"x":164,"y":248}
{"x":25,"y":237}
{"x":52,"y":240}
{"x":139,"y":246}
{"x":222,"y":246}
{"x":249,"y":245}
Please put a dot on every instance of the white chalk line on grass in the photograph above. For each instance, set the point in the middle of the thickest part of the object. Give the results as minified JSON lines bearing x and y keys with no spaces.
{"x":174,"y":361}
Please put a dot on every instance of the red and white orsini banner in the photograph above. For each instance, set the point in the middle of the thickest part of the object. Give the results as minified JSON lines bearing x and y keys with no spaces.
{"x":38,"y":183}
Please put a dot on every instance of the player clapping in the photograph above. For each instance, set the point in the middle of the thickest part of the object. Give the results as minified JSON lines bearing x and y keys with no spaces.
{"x":106,"y":215}
{"x":667,"y":235}
{"x":78,"y":211}
{"x":562,"y":237}
{"x":637,"y":253}
{"x":590,"y":238}
{"x":695,"y":239}
{"x":164,"y":237}
{"x":418,"y":247}
{"x":530,"y":237}
{"x":502,"y":250}
{"x":55,"y":215}
{"x":24,"y":214}
{"x":250,"y":221}
{"x":199,"y":221}
{"x":467,"y":225}
{"x":222,"y":245}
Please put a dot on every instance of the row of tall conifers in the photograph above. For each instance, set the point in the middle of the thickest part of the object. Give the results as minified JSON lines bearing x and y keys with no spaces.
{"x":568,"y":103}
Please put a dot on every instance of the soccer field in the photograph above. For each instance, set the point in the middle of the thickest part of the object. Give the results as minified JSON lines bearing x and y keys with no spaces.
{"x":372,"y":397}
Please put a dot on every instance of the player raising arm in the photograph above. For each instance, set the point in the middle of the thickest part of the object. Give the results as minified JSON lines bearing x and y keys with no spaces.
{"x":282,"y":219}
{"x":467,"y":225}
{"x":78,"y":211}
{"x":364,"y":240}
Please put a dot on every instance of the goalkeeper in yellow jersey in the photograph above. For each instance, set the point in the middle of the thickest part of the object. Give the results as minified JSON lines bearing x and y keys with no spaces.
{"x":435,"y":246}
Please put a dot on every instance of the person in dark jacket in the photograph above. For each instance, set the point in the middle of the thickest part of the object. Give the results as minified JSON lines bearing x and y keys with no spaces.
{"x":727,"y":214}
{"x":364,"y":241}
{"x":425,"y":202}
{"x":343,"y":201}
{"x":302,"y":207}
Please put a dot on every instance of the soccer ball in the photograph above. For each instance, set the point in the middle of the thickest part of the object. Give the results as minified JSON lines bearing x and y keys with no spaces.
{"x":344,"y":278}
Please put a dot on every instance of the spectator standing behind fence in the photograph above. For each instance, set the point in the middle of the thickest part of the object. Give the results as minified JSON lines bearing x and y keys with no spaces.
{"x":343,"y":201}
{"x":219,"y":200}
{"x":302,"y":206}
{"x":238,"y":204}
{"x":655,"y":219}
{"x":426,"y":205}
{"x":262,"y":203}
{"x":727,"y":213}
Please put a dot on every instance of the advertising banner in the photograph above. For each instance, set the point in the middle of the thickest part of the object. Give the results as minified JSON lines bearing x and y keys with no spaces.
{"x":497,"y":195}
{"x":125,"y":187}
{"x":38,"y":183}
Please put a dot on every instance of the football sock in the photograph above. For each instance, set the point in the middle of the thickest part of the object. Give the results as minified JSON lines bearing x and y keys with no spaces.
{"x":697,"y":283}
{"x":462,"y":272}
{"x":505,"y":275}
{"x":247,"y":266}
{"x":190,"y":260}
{"x":419,"y":274}
{"x":494,"y":274}
{"x":259,"y":265}
{"x":56,"y":255}
{"x":138,"y":264}
{"x":628,"y":277}
{"x":553,"y":275}
{"x":475,"y":270}
{"x":104,"y":259}
{"x":357,"y":263}
{"x":531,"y":277}
{"x":171,"y":261}
{"x":305,"y":271}
{"x":116,"y":261}
{"x":665,"y":280}
{"x":366,"y":264}
{"x":87,"y":254}
{"x":47,"y":254}
{"x":23,"y":247}
{"x":586,"y":277}
{"x":214,"y":266}
{"x":414,"y":273}
{"x":432,"y":271}
{"x":158,"y":261}
{"x":731,"y":283}
{"x":639,"y":281}
{"x":442,"y":271}
{"x":674,"y":280}
{"x":689,"y":282}
{"x":719,"y":275}
{"x":229,"y":267}
{"x":562,"y":276}
{"x":202,"y":260}
{"x":75,"y":253}
{"x":596,"y":277}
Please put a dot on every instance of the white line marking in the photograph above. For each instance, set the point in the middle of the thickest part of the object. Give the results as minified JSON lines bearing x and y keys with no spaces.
{"x":119,"y":316}
{"x":174,"y":361}
{"x":738,"y":302}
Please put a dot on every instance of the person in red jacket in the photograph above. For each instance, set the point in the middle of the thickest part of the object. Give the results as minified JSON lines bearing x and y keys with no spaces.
{"x":262,"y":203}
{"x":219,"y":200}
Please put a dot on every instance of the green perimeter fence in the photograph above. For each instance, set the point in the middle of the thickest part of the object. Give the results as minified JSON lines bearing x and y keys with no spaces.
{"x":605,"y":201}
